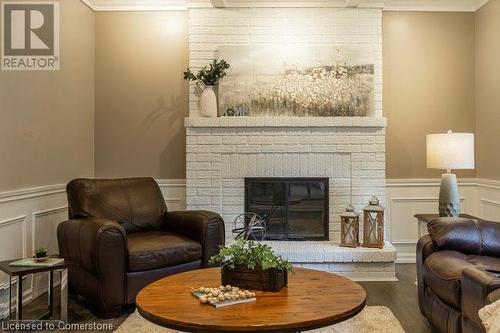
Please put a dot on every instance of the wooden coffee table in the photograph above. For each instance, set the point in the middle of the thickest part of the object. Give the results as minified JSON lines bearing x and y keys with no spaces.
{"x":313,"y":299}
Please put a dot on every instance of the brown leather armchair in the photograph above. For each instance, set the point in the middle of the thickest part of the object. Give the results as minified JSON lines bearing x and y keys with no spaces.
{"x":458,"y":272}
{"x":120,"y":238}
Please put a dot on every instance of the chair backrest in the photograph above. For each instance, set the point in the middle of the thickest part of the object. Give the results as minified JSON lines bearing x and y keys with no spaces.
{"x":136,"y":203}
{"x":465,"y":235}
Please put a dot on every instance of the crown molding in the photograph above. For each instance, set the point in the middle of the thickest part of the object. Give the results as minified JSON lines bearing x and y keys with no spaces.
{"x":431,"y":5}
{"x":135,"y":5}
{"x":285,"y":3}
{"x":89,"y":3}
{"x":388,"y":5}
{"x":480,"y":3}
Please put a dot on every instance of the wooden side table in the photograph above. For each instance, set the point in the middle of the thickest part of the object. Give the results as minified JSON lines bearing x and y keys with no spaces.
{"x":423,"y":219}
{"x":19,"y":272}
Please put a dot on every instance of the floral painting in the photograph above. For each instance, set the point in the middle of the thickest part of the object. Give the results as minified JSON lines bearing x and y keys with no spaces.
{"x":297,"y":80}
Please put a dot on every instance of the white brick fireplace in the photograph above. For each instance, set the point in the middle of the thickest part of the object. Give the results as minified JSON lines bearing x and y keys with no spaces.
{"x":221,"y":152}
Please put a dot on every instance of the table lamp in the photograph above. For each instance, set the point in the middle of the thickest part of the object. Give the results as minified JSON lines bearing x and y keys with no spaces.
{"x":450,"y":151}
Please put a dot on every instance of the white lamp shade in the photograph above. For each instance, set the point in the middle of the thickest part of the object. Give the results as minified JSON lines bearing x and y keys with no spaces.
{"x":450,"y":151}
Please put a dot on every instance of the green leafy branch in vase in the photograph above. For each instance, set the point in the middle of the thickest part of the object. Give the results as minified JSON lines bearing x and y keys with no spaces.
{"x":250,"y":254}
{"x":208,"y":75}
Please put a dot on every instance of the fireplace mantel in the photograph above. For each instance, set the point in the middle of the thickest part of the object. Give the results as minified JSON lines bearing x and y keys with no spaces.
{"x":377,"y":122}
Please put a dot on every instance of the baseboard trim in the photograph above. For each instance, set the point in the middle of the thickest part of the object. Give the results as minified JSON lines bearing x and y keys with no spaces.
{"x":27,"y":298}
{"x":407,"y":258}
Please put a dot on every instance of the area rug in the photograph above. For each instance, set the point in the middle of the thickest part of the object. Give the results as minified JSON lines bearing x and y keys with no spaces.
{"x":490,"y":316}
{"x":373,"y":319}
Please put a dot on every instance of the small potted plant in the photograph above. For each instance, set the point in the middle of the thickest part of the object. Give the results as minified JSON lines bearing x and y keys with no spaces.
{"x":41,"y":254}
{"x":252,"y":265}
{"x":208,"y":77}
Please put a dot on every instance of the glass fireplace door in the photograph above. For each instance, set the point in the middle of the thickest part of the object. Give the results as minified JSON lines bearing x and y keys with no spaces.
{"x":268,"y":200}
{"x":306,"y":210}
{"x":293,"y":208}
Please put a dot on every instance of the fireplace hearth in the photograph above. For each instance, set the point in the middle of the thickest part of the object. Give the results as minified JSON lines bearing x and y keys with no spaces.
{"x":293,"y":208}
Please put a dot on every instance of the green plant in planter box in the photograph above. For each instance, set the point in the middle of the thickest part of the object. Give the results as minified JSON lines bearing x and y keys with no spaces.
{"x":41,"y":252}
{"x":251,"y":255}
{"x":208,"y":75}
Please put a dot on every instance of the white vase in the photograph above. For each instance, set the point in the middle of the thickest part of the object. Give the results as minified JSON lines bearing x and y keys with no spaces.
{"x":207,"y":104}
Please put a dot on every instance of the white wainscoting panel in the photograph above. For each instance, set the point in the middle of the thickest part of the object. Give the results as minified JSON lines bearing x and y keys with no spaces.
{"x":488,"y":193}
{"x":174,"y":192}
{"x":25,"y":217}
{"x":13,"y":236}
{"x":44,"y":234}
{"x":29,"y":217}
{"x":45,"y":224}
{"x":407,"y":197}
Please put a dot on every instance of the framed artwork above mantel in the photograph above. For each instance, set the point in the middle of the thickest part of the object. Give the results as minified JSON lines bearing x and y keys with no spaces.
{"x":297,"y":80}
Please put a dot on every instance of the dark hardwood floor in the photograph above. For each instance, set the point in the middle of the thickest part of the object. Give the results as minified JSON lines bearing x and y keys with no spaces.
{"x":400,"y":297}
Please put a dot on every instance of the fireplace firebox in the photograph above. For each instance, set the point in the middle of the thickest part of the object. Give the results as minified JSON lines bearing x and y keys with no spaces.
{"x":293,"y":208}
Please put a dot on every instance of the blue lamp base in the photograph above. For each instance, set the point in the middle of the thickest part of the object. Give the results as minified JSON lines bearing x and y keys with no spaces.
{"x":449,"y":198}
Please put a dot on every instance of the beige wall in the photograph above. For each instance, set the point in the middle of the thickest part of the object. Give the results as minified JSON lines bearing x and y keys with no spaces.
{"x":488,"y":90}
{"x":428,"y":84}
{"x":428,"y":87}
{"x":47,"y":117}
{"x":141,"y":97}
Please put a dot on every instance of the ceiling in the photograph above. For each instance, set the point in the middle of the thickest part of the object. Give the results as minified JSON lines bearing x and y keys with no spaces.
{"x":396,"y":5}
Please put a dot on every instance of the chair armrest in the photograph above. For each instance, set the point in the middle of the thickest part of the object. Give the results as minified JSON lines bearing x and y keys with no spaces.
{"x":468,"y":236}
{"x":99,"y":247}
{"x":478,"y":286}
{"x":207,"y":228}
{"x":87,"y":242}
{"x":425,"y":247}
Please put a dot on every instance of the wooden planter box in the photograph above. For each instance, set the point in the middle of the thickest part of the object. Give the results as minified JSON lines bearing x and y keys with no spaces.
{"x":268,"y":280}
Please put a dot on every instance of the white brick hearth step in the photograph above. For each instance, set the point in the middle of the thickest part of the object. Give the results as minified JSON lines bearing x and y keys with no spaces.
{"x":324,"y":251}
{"x":359,"y":264}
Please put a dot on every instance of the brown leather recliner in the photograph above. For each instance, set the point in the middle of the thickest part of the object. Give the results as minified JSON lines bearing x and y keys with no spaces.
{"x":458,"y":271}
{"x":120,"y":238}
